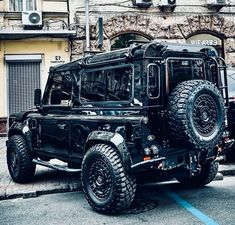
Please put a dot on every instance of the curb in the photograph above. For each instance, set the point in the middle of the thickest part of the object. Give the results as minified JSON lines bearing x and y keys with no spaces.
{"x":36,"y":193}
{"x":228,"y":172}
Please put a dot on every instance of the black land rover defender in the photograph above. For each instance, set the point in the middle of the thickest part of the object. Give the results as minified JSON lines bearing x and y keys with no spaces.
{"x":153,"y":111}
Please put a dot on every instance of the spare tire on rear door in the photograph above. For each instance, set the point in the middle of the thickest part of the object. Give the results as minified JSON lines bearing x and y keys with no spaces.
{"x":195,"y":115}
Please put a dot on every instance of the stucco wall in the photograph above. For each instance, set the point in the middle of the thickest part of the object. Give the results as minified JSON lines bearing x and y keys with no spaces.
{"x":48,"y":48}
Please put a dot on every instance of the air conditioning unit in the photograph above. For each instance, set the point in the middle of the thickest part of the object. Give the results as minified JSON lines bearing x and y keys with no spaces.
{"x":143,"y":3}
{"x":167,"y":3}
{"x":32,"y":19}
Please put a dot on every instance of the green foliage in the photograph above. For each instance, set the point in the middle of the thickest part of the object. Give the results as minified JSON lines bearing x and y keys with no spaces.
{"x":123,"y":41}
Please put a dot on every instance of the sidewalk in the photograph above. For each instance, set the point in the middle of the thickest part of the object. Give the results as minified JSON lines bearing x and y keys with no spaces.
{"x":48,"y":181}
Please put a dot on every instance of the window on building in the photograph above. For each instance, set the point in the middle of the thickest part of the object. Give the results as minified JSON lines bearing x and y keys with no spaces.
{"x":16,"y":5}
{"x":124,"y":40}
{"x":209,"y":40}
{"x":31,"y":5}
{"x":22,"y":5}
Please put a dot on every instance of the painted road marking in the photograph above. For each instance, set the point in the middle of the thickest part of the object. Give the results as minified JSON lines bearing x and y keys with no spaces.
{"x":200,"y":215}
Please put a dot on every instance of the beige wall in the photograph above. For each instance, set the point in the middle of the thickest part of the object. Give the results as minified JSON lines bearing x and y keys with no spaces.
{"x":2,"y":81}
{"x":48,"y":48}
{"x":54,"y":6}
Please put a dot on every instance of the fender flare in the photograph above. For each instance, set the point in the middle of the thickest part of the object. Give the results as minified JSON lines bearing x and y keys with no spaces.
{"x":21,"y":129}
{"x":114,"y":139}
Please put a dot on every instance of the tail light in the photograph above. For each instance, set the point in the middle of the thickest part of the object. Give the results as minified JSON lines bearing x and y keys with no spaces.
{"x":233,"y":98}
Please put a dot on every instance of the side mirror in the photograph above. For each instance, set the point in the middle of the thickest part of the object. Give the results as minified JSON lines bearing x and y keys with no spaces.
{"x":56,"y":96}
{"x":37,"y":97}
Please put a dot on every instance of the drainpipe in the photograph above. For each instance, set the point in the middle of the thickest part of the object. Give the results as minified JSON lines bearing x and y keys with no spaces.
{"x":87,"y":25}
{"x":69,"y":37}
{"x":68,"y":9}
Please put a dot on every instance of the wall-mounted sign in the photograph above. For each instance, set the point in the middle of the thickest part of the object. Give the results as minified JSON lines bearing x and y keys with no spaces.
{"x":204,"y":39}
{"x":57,"y":59}
{"x":204,"y":42}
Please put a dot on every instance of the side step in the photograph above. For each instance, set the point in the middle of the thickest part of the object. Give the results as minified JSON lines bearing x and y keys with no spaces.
{"x":55,"y":166}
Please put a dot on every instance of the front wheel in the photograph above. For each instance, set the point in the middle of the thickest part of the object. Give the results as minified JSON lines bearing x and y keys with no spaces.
{"x":208,"y":173}
{"x":19,"y":160}
{"x":107,"y":186}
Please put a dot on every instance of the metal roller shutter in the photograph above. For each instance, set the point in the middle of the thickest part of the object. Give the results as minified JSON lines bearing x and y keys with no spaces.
{"x":23,"y":79}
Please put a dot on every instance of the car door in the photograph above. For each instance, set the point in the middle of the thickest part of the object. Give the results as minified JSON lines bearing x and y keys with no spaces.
{"x":55,"y":132}
{"x":55,"y":115}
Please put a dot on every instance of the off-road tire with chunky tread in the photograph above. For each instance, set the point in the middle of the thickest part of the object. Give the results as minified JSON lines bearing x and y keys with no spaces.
{"x":107,"y":185}
{"x":196,"y":115}
{"x":208,"y":173}
{"x":19,"y":160}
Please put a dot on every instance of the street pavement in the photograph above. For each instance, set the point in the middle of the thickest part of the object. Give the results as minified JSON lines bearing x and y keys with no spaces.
{"x":48,"y":181}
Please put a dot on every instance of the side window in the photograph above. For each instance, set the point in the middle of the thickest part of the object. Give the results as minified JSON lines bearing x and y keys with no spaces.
{"x":107,"y":84}
{"x":184,"y":69}
{"x":60,"y":89}
{"x":153,"y":81}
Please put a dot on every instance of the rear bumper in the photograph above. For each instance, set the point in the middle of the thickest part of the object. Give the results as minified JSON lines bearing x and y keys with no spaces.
{"x":148,"y":163}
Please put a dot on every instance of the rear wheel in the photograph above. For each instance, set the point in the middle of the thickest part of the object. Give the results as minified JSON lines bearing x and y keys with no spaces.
{"x":19,"y":160}
{"x":208,"y":173}
{"x":107,"y":186}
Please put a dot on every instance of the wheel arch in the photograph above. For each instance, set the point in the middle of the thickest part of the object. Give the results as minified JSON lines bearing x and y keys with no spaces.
{"x":115,"y":140}
{"x":23,"y":130}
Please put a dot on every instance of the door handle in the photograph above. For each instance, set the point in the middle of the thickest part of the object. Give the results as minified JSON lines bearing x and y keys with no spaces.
{"x":62,"y":125}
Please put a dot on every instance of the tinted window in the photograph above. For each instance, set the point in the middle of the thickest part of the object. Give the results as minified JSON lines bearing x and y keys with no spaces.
{"x":60,"y":89}
{"x":153,"y":81}
{"x":184,"y":69}
{"x":101,"y":85}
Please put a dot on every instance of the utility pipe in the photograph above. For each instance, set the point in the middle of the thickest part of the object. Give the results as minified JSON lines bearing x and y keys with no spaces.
{"x":87,"y":25}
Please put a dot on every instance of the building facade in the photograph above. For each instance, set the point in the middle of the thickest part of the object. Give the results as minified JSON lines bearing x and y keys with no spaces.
{"x":34,"y":35}
{"x":208,"y":22}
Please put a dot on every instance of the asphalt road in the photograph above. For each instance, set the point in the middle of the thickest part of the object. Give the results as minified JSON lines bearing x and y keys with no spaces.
{"x":164,"y":203}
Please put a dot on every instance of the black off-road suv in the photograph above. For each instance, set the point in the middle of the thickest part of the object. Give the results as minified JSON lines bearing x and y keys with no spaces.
{"x":152,"y":111}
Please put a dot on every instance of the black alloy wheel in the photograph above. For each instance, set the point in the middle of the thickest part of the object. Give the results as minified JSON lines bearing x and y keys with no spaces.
{"x":19,"y":160}
{"x":196,"y":115}
{"x":205,"y":114}
{"x":107,"y":186}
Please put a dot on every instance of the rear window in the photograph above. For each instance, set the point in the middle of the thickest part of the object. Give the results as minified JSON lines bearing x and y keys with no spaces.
{"x":183,"y":69}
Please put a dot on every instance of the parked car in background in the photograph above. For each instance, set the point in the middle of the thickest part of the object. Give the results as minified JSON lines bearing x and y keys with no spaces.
{"x":231,"y":112}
